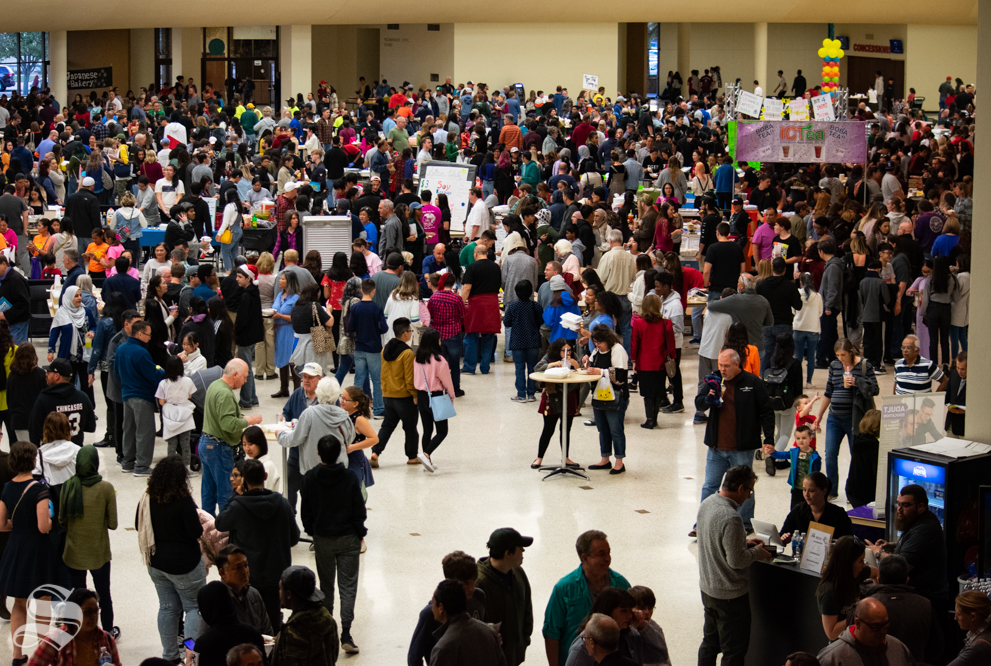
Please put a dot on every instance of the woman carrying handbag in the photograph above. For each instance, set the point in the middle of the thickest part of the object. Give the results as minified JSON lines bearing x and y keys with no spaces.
{"x":434,"y":393}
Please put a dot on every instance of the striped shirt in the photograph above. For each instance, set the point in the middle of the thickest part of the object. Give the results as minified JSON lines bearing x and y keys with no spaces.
{"x":840,"y":397}
{"x":916,"y":378}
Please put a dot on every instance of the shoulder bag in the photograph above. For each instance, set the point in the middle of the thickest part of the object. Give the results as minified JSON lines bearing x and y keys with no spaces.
{"x":323,"y":337}
{"x":441,"y":405}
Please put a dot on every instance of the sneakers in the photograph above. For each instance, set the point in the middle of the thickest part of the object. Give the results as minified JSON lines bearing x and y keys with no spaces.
{"x":809,"y":385}
{"x":427,"y":465}
{"x":769,"y":466}
{"x":674,"y":408}
{"x":148,"y":473}
{"x":459,"y":393}
{"x":588,"y":422}
{"x":700,"y":419}
{"x":348,"y":644}
{"x":531,"y":398}
{"x":517,"y":398}
{"x":880,"y":370}
{"x":374,"y":461}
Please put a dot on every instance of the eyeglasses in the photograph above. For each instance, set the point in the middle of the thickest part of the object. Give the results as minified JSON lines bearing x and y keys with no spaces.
{"x":908,"y":347}
{"x":906,"y":505}
{"x":873,"y":626}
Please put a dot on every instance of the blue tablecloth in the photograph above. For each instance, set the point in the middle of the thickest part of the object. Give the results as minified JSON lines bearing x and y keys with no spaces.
{"x":152,"y":237}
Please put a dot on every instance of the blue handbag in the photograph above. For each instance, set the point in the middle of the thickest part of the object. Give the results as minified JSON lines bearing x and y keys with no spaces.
{"x":440,"y":405}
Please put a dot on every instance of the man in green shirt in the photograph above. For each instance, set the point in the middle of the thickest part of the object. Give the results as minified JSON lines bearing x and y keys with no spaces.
{"x":467,"y":255}
{"x":222,"y":428}
{"x":399,"y":136}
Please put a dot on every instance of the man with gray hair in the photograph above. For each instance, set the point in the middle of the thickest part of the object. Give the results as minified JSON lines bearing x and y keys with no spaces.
{"x":724,"y":556}
{"x":601,"y":638}
{"x":222,"y":428}
{"x":739,"y":410}
{"x":618,"y":269}
{"x":748,"y":308}
{"x":392,"y":233}
{"x":915,"y":374}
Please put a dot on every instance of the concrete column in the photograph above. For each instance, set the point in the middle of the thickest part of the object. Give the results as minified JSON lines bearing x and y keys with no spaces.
{"x":979,"y":350}
{"x":295,"y":60}
{"x":142,"y":57}
{"x":176,"y":55}
{"x":684,"y":53}
{"x":58,"y":68}
{"x":760,"y":59}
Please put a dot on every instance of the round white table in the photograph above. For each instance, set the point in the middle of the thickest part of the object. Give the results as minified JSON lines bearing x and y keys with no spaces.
{"x":573,"y":377}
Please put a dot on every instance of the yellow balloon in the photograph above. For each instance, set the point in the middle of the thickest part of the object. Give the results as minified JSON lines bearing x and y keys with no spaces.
{"x":827,"y":42}
{"x":840,"y":53}
{"x":822,"y":52}
{"x":837,"y":44}
{"x":834,"y":53}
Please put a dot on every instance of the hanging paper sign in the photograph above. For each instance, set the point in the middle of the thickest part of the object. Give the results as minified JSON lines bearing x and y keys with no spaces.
{"x":798,"y":109}
{"x":808,"y":141}
{"x":816,"y":548}
{"x":773,"y":108}
{"x":590,"y":82}
{"x":749,"y":104}
{"x":822,"y":107}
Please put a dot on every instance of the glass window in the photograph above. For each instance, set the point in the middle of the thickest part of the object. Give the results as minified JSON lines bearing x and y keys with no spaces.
{"x":23,"y":61}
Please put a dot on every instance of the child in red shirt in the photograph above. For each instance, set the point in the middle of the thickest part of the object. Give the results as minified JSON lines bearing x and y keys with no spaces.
{"x":803,"y":416}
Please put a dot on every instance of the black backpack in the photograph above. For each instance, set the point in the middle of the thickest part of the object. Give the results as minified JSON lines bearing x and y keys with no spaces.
{"x":776,"y":381}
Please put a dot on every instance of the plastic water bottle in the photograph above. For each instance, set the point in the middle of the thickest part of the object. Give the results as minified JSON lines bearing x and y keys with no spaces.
{"x":796,"y":546}
{"x":105,"y":657}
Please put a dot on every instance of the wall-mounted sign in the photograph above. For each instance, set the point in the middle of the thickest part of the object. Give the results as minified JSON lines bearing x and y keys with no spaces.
{"x":84,"y":79}
{"x":590,"y":82}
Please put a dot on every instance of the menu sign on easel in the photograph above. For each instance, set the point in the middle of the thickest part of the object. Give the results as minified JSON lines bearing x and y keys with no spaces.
{"x":816,"y":548}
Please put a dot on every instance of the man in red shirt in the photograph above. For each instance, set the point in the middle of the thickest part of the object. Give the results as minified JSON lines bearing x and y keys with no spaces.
{"x":580,"y":135}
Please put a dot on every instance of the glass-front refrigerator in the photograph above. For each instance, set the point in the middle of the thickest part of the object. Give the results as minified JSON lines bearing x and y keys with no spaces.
{"x":953,"y":487}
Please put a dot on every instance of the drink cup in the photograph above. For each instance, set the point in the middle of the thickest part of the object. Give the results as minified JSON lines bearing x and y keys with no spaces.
{"x":818,"y":150}
{"x":785,"y":150}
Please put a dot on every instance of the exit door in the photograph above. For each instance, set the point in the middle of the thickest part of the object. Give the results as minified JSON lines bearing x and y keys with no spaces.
{"x":262,"y":72}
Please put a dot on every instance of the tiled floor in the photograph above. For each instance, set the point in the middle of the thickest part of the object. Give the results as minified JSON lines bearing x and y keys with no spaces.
{"x":484,"y":482}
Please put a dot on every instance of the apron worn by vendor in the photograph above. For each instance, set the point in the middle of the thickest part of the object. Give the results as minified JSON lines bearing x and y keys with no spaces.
{"x":483,"y":314}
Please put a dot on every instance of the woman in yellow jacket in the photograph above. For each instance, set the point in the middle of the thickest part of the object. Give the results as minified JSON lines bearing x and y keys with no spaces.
{"x":7,"y":349}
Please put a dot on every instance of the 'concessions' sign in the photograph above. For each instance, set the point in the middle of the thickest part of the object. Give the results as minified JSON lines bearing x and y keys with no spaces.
{"x":806,"y":141}
{"x":101,"y":77}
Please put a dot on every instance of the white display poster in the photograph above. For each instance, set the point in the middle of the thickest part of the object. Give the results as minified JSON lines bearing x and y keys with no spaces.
{"x":798,"y":109}
{"x":822,"y":107}
{"x":749,"y":104}
{"x":773,"y":108}
{"x":454,"y":180}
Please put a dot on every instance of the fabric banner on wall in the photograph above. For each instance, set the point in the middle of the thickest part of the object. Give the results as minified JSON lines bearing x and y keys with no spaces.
{"x":774,"y":141}
{"x":84,"y":79}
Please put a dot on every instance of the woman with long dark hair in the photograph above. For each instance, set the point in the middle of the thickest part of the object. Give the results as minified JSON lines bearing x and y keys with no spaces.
{"x":445,"y":218}
{"x":345,"y":349}
{"x":609,"y":359}
{"x":738,"y":340}
{"x":839,"y":586}
{"x":503,"y":178}
{"x":358,"y":265}
{"x":223,"y":330}
{"x":199,"y":323}
{"x":431,"y":377}
{"x":161,"y":317}
{"x":290,"y":238}
{"x":24,"y":382}
{"x":940,"y":293}
{"x":167,"y":514}
{"x":333,"y":288}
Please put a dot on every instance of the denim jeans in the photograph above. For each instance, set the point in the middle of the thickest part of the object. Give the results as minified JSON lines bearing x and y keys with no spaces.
{"x":507,"y":352}
{"x":368,"y":365}
{"x":625,"y":325}
{"x":19,"y":332}
{"x":217,"y":458}
{"x":770,"y":334}
{"x":958,"y":339}
{"x":610,"y":427}
{"x":139,"y":435}
{"x":697,"y":313}
{"x":525,"y":360}
{"x":836,"y":428}
{"x":344,"y":366}
{"x":716,"y":464}
{"x":248,"y":396}
{"x":101,"y":583}
{"x":478,"y":351}
{"x":453,"y":349}
{"x":805,"y":345}
{"x":338,"y":557}
{"x":177,"y":595}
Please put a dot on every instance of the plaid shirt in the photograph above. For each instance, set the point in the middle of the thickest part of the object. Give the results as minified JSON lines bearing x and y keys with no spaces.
{"x":282,"y":206}
{"x":325,"y":131}
{"x":447,"y":313}
{"x":99,"y":131}
{"x":48,"y":655}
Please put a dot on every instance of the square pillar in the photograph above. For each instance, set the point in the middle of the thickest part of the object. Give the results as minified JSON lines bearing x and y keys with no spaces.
{"x":58,"y":68}
{"x":684,"y":55}
{"x":295,"y":61}
{"x":760,"y":59}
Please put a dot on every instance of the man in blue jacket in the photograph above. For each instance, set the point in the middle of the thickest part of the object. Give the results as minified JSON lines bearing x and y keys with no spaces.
{"x":139,"y":378}
{"x":122,"y":283}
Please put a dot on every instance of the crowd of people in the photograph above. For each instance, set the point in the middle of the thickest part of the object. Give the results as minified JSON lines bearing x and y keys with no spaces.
{"x":570,"y":250}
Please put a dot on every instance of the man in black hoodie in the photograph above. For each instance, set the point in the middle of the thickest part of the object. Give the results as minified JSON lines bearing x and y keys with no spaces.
{"x":333,"y":513}
{"x":249,"y":329}
{"x":262,"y":524}
{"x":63,"y":397}
{"x":782,"y":295}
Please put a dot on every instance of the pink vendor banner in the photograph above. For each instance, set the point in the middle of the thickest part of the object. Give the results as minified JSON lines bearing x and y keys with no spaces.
{"x":807,"y":141}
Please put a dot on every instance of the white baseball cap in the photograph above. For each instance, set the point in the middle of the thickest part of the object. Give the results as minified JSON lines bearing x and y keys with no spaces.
{"x":312,"y":369}
{"x":89,"y":182}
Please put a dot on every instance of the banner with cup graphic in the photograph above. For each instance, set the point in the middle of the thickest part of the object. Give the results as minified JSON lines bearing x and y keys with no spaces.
{"x":807,"y":141}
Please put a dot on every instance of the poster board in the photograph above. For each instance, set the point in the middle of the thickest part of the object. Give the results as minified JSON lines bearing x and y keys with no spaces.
{"x":773,"y":108}
{"x":453,"y":179}
{"x":906,"y":421}
{"x":816,"y":548}
{"x":590,"y":81}
{"x":749,"y":104}
{"x":798,"y":109}
{"x":822,"y":107}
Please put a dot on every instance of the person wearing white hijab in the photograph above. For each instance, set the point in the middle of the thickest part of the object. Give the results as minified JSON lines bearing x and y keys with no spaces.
{"x":70,"y":329}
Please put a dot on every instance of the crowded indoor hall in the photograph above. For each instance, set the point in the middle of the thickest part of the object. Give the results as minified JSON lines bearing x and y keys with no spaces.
{"x":235,"y":263}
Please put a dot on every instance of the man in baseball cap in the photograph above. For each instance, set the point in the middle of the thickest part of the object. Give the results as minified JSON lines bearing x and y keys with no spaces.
{"x":303,"y":397}
{"x":61,"y":396}
{"x":310,"y":629}
{"x":507,"y":591}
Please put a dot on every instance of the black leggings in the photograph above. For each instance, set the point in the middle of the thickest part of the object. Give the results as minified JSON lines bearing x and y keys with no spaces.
{"x":676,"y":381}
{"x":427,"y":443}
{"x":938,"y":322}
{"x":550,"y":426}
{"x":82,"y":374}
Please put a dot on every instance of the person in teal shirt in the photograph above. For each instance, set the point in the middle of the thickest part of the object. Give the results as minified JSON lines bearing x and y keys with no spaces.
{"x":530,"y":173}
{"x":572,"y":597}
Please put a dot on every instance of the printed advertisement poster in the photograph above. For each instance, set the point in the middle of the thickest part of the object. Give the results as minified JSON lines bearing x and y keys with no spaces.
{"x":822,"y":107}
{"x":791,"y":141}
{"x":907,"y":420}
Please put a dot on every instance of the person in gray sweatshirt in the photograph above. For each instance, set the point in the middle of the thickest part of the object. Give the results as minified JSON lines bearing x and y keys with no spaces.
{"x":831,"y":290}
{"x":748,"y":308}
{"x":324,"y":418}
{"x":725,"y":555}
{"x":875,"y":297}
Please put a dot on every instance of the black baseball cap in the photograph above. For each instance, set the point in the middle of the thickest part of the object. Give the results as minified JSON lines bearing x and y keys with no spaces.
{"x":737,"y":201}
{"x":302,"y":583}
{"x":506,"y":538}
{"x":61,"y":366}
